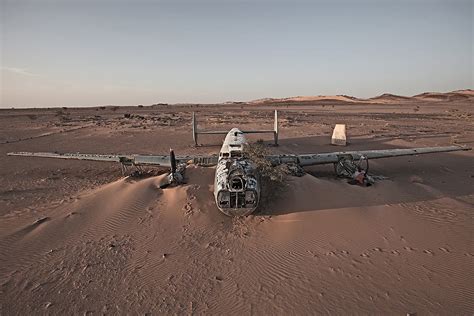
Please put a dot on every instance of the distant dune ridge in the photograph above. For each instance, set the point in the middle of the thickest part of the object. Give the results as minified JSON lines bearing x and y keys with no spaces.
{"x":458,"y":95}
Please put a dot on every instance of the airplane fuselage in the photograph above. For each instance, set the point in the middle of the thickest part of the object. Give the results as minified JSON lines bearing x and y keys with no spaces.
{"x":236,"y":183}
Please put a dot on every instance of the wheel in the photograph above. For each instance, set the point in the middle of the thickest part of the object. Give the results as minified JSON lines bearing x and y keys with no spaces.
{"x":345,"y":167}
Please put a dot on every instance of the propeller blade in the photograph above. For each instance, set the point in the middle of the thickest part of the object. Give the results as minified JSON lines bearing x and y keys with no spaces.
{"x":172,"y":161}
{"x":173,"y":177}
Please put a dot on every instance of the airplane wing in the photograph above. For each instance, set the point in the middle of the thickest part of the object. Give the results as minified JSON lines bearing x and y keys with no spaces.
{"x":334,"y":157}
{"x":136,"y":160}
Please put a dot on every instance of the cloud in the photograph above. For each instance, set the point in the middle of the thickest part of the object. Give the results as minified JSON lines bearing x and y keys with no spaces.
{"x":20,"y":71}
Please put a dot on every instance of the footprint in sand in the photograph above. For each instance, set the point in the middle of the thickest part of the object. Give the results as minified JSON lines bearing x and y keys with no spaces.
{"x":188,"y":209}
{"x":336,"y":270}
{"x":355,"y":262}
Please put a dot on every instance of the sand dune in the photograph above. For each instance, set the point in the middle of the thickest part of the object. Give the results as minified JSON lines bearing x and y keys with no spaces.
{"x":339,"y":98}
{"x":388,"y":97}
{"x":459,"y":95}
{"x":149,"y":244}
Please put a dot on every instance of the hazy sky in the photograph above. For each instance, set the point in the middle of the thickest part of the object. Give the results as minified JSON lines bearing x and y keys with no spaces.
{"x":85,"y":53}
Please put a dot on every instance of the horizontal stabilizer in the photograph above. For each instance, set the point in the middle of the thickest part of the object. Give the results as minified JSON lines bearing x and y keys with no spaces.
{"x":257,"y":132}
{"x":274,"y":131}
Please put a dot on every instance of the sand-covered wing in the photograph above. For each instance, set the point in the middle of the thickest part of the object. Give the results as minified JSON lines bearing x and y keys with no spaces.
{"x":139,"y":160}
{"x":326,"y":158}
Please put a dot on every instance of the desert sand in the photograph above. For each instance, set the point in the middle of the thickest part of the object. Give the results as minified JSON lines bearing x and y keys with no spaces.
{"x":77,"y":238}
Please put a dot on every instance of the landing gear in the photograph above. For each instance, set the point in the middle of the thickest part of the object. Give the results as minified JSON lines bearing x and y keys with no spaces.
{"x":129,"y":168}
{"x":355,"y":170}
{"x":346,"y":167}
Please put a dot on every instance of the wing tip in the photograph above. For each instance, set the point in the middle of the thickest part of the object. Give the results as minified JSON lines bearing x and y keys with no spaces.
{"x":461,"y":147}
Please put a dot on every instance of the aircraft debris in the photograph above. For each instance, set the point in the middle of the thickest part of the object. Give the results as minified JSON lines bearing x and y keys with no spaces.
{"x":361,"y":177}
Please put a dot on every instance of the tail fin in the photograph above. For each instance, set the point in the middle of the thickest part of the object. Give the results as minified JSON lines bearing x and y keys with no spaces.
{"x":195,"y":135}
{"x":275,"y":128}
{"x":196,"y":132}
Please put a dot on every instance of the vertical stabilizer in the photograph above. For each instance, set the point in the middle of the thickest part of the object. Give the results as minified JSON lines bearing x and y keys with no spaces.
{"x":195,"y":133}
{"x":275,"y":128}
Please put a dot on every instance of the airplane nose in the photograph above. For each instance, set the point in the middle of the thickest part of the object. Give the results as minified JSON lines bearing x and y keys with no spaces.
{"x":238,"y":203}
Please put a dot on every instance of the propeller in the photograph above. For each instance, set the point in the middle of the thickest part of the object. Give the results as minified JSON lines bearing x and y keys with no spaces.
{"x":172,"y":161}
{"x":175,"y":176}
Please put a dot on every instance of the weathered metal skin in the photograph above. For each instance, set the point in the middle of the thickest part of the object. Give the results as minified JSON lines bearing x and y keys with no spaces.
{"x":236,"y":185}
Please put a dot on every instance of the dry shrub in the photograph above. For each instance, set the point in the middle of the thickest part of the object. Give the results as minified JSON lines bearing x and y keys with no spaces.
{"x":272,"y":178}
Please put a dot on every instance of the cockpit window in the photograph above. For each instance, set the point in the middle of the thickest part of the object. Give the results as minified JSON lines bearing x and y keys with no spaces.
{"x":237,"y":183}
{"x":236,"y":154}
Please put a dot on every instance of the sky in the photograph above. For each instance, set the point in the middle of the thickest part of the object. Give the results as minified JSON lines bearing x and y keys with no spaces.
{"x":103,"y":52}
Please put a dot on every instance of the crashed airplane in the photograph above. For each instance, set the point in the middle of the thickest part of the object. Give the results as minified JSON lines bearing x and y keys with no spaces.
{"x":237,"y":186}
